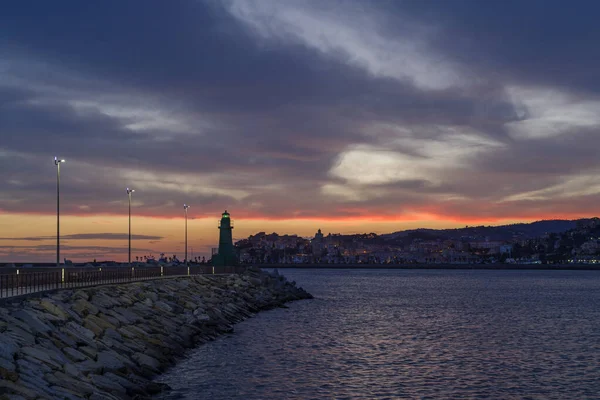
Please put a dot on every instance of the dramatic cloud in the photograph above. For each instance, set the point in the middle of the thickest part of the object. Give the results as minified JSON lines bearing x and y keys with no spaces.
{"x":441,"y":111}
{"x":354,"y":33}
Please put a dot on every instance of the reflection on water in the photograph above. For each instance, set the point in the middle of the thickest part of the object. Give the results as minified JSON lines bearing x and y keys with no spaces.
{"x":411,"y":334}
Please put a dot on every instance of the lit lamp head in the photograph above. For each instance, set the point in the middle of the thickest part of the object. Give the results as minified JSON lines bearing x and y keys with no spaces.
{"x":129,"y":191}
{"x":185,"y":206}
{"x":58,"y":161}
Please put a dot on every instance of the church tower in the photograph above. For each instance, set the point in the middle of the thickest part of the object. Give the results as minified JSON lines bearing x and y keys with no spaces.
{"x":226,"y":256}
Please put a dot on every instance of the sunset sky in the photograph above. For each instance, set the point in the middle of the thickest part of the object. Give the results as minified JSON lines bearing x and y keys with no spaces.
{"x":349,"y":116}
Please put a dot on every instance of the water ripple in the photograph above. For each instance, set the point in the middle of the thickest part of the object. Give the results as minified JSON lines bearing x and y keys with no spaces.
{"x":410,"y":334}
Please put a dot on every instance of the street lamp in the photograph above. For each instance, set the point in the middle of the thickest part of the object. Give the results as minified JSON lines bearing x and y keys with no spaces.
{"x":185,"y":208}
{"x":57,"y":162}
{"x":129,"y":191}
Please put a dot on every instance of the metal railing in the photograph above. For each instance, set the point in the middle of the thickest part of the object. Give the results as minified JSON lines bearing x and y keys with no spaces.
{"x":17,"y":282}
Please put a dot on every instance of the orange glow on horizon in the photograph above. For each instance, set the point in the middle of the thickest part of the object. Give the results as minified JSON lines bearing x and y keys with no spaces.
{"x":202,"y":232}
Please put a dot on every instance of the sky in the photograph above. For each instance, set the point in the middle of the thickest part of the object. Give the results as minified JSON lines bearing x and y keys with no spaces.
{"x":349,"y":116}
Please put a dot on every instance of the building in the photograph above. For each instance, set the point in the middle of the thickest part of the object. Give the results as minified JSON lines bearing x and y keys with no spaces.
{"x":317,"y":244}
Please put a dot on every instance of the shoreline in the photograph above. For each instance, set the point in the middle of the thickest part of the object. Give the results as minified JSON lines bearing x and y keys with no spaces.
{"x":523,"y":267}
{"x":111,"y":342}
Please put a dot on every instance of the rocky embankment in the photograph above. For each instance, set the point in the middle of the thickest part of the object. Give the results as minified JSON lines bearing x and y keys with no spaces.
{"x":109,"y":342}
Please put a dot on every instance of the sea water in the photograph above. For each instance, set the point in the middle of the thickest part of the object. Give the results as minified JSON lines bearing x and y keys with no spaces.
{"x":377,"y":334}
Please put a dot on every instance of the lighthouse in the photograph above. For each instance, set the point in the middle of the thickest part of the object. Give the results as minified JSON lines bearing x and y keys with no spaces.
{"x":226,"y":256}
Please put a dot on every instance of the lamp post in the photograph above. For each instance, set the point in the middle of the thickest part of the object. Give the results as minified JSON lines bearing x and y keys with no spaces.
{"x":185,"y":208}
{"x":57,"y":162}
{"x":129,"y":191}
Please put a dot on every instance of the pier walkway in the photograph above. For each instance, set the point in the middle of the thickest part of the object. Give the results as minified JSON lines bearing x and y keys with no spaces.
{"x":19,"y":282}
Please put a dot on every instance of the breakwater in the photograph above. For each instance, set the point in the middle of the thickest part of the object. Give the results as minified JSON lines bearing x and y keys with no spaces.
{"x":109,"y":342}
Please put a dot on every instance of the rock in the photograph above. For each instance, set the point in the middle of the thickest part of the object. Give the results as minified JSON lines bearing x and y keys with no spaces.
{"x":72,"y":370}
{"x":161,"y":305}
{"x":88,"y":366}
{"x":55,"y":308}
{"x":84,"y":308}
{"x":107,"y":384}
{"x":133,"y":332}
{"x":10,"y":374}
{"x":7,"y":364}
{"x":128,"y":317}
{"x":103,"y":396}
{"x":115,"y":337}
{"x":110,"y":361}
{"x":110,"y":319}
{"x":113,"y":334}
{"x":148,"y":302}
{"x":152,"y":296}
{"x":145,"y":361}
{"x":68,"y":382}
{"x":8,"y":347}
{"x":80,"y":334}
{"x":93,"y":327}
{"x":255,"y":282}
{"x":20,"y":390}
{"x":74,"y":354}
{"x":31,"y":366}
{"x":13,"y":397}
{"x":131,"y":387}
{"x":100,"y":321}
{"x":81,"y":294}
{"x":89,"y":352}
{"x":41,"y":355}
{"x":29,"y":318}
{"x":105,"y":301}
{"x":61,"y":340}
{"x":60,"y":392}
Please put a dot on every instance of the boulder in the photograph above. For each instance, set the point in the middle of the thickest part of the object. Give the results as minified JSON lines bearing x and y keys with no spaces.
{"x":84,"y":308}
{"x":161,"y":305}
{"x":34,"y":323}
{"x":103,"y":396}
{"x":148,"y":362}
{"x":8,"y":373}
{"x":61,"y":340}
{"x":41,"y":355}
{"x":89,"y":324}
{"x":107,"y":384}
{"x":20,"y":390}
{"x":132,"y":387}
{"x":79,"y":332}
{"x":81,"y":294}
{"x":89,"y":352}
{"x":75,"y":355}
{"x":8,"y":347}
{"x":59,"y":392}
{"x":55,"y":308}
{"x":88,"y":366}
{"x":78,"y":386}
{"x":147,"y":302}
{"x":105,"y":301}
{"x":110,"y":361}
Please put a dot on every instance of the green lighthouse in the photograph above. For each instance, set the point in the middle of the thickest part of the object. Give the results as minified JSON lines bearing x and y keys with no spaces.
{"x":226,"y":257}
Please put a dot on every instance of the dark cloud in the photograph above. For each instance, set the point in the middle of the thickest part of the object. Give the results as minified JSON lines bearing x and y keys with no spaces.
{"x":535,"y":42}
{"x":185,"y":102}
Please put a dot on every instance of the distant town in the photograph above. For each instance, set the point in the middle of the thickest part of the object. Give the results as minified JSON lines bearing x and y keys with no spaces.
{"x":542,"y":242}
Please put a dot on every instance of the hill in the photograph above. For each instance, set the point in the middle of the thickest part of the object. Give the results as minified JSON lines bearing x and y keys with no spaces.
{"x":502,"y":232}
